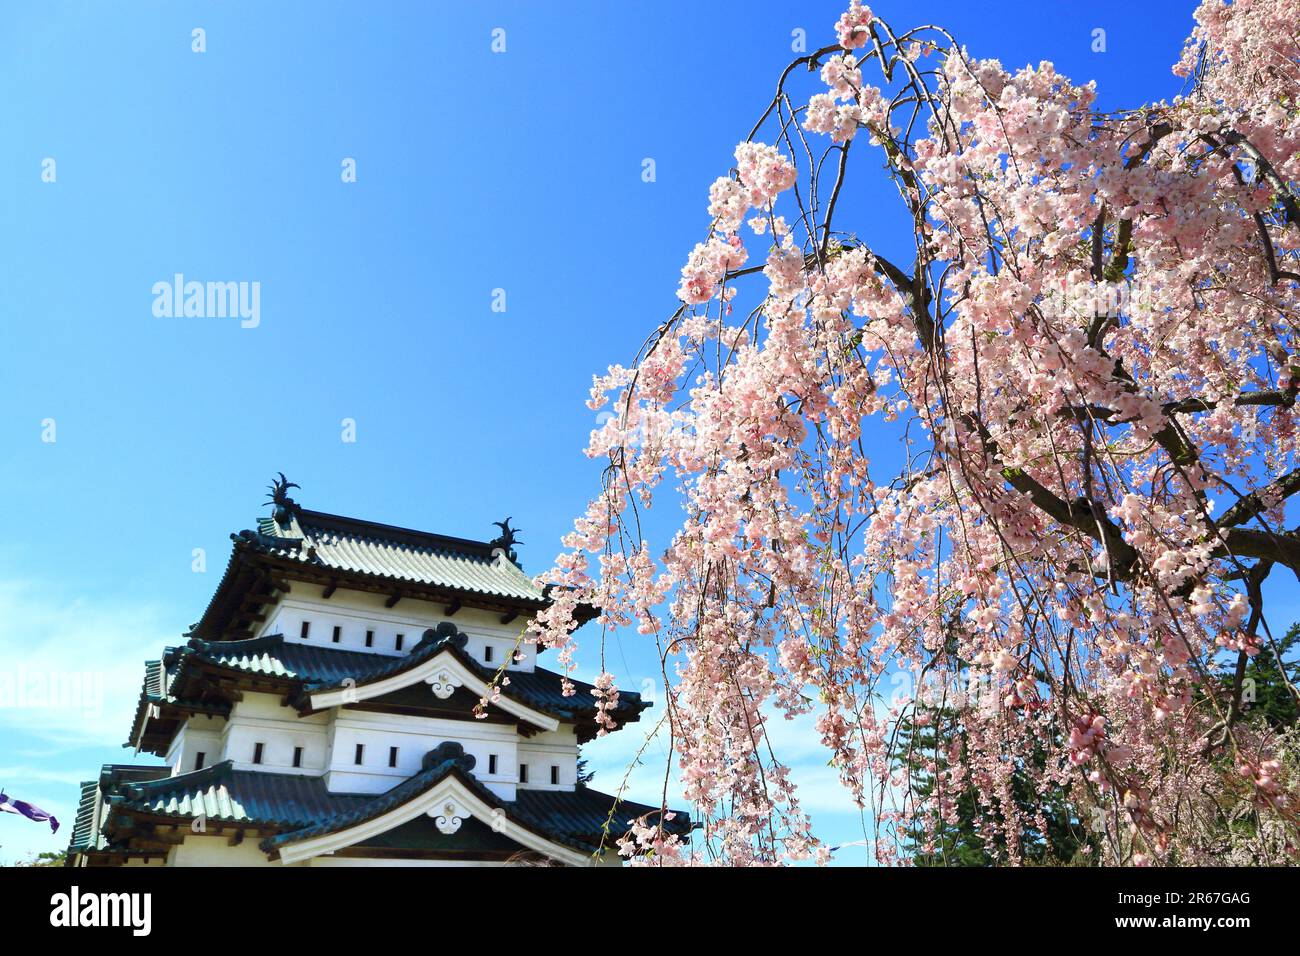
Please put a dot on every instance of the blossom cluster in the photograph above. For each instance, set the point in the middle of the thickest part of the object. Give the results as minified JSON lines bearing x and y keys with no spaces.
{"x":1092,"y":485}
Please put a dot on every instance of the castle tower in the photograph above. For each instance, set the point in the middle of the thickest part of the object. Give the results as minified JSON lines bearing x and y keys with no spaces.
{"x":327,"y":710}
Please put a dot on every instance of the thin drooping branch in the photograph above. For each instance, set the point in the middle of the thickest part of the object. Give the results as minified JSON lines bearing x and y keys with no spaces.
{"x":1052,"y":537}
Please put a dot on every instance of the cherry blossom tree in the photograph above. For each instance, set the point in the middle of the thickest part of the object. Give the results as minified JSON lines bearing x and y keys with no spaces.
{"x":1088,"y":357}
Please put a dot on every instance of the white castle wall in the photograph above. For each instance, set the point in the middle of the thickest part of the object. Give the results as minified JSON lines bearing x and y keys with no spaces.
{"x":200,"y":734}
{"x":414,"y":737}
{"x":261,"y":718}
{"x":559,"y":749}
{"x":356,"y":612}
{"x":329,"y":741}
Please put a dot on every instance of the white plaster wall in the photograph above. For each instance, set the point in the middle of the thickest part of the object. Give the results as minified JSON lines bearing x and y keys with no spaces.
{"x":356,"y":612}
{"x":557,"y":748}
{"x":414,"y":737}
{"x":262,"y":718}
{"x":329,"y":741}
{"x":199,"y":734}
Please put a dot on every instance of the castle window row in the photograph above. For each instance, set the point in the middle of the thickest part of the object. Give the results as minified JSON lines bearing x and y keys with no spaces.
{"x":359,"y":759}
{"x":336,"y":637}
{"x":399,"y":639}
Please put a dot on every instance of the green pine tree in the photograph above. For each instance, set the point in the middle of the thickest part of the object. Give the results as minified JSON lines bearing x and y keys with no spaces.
{"x":977,"y":837}
{"x":1265,"y":695}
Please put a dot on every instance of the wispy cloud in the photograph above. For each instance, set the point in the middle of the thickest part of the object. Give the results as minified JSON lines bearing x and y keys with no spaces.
{"x":18,"y":775}
{"x":70,"y":671}
{"x":70,"y":668}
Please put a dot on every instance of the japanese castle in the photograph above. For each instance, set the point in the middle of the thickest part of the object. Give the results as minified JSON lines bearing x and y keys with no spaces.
{"x":360,"y":694}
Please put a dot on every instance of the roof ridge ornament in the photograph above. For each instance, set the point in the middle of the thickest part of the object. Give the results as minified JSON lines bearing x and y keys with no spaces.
{"x":284,"y":506}
{"x":445,"y":633}
{"x":448,"y":750}
{"x":506,"y":541}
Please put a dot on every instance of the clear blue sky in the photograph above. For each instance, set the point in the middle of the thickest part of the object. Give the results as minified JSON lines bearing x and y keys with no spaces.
{"x":476,"y":171}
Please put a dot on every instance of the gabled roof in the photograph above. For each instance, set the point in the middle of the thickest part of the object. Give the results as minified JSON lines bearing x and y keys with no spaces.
{"x":333,"y":551}
{"x":439,"y":763}
{"x":316,"y":669}
{"x":176,"y":686}
{"x":397,"y":554}
{"x":336,"y":551}
{"x":298,"y":808}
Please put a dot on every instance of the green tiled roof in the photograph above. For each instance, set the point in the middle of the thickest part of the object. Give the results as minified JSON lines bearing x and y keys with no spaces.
{"x":86,"y":833}
{"x":321,"y":668}
{"x":445,"y":759}
{"x":151,"y":690}
{"x":398,"y":554}
{"x":300,"y":807}
{"x":336,"y":551}
{"x":221,"y":793}
{"x":273,"y":656}
{"x":579,"y":816}
{"x":155,"y":689}
{"x":333,"y":551}
{"x":85,"y":829}
{"x":171,"y":682}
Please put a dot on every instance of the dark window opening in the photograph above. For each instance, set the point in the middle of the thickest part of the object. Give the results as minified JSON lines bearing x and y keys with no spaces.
{"x":306,"y":630}
{"x":392,"y":756}
{"x":400,"y":638}
{"x":198,"y":760}
{"x":487,"y":653}
{"x":257,"y":753}
{"x":338,"y":633}
{"x":492,"y":763}
{"x":555,"y":775}
{"x":370,"y":638}
{"x":297,"y":756}
{"x":523,"y":773}
{"x":361,"y":749}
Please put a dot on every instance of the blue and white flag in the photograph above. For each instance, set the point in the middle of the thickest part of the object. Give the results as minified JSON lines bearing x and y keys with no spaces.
{"x":10,"y":805}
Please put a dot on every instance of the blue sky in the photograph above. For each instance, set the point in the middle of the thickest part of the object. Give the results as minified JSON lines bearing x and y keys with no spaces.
{"x":476,"y":171}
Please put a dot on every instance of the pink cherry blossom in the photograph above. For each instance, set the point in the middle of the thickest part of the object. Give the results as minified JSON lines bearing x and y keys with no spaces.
{"x":851,"y":28}
{"x":1046,"y":453}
